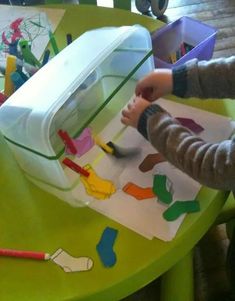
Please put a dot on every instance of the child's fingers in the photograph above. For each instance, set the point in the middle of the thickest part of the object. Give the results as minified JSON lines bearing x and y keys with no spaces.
{"x":126,"y":113}
{"x":129,"y":106}
{"x":126,"y":117}
{"x":125,"y":120}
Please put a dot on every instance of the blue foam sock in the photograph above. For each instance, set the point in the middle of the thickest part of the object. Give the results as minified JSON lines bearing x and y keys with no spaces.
{"x":105,"y":247}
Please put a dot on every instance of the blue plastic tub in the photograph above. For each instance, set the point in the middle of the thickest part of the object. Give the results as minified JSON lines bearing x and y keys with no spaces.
{"x":197,"y":37}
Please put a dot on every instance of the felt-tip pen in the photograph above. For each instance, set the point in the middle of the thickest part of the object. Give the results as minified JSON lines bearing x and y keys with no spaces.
{"x":30,"y":69}
{"x":24,"y":254}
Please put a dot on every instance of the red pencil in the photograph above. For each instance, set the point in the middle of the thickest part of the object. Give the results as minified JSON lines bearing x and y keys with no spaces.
{"x":24,"y":254}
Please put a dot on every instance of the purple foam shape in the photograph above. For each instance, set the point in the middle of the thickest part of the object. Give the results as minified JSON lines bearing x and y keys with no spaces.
{"x":83,"y":143}
{"x":190,"y":124}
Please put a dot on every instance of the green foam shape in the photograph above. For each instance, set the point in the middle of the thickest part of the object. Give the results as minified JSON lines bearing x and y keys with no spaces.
{"x":160,"y":189}
{"x":181,"y":207}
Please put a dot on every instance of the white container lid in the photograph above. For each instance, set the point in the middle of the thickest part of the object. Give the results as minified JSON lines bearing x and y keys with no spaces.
{"x":26,"y":116}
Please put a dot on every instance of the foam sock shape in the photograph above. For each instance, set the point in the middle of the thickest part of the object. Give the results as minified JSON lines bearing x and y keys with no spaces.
{"x":83,"y":143}
{"x":179,"y":208}
{"x":70,"y":263}
{"x":96,"y":183}
{"x":150,"y":161}
{"x":190,"y":124}
{"x":95,"y":194}
{"x":161,"y":190}
{"x":140,"y":193}
{"x":105,"y":247}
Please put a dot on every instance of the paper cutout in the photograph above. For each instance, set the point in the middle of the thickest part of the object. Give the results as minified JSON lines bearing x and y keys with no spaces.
{"x":83,"y":143}
{"x":70,"y":263}
{"x":96,"y":186}
{"x":150,"y":161}
{"x":95,"y":194}
{"x":179,"y":208}
{"x":162,"y":188}
{"x":190,"y":124}
{"x":105,"y":247}
{"x":138,"y":192}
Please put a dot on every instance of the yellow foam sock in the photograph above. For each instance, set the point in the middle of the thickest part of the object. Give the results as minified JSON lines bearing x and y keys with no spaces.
{"x":97,"y":195}
{"x":98,"y":187}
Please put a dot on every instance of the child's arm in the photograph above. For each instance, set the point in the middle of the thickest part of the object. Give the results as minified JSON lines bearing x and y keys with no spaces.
{"x":204,"y":79}
{"x":212,"y":165}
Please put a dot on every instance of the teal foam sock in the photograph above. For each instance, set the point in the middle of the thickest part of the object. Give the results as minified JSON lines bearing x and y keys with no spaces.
{"x":105,"y":247}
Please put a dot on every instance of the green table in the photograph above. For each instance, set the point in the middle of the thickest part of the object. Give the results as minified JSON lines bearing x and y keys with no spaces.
{"x":34,"y":220}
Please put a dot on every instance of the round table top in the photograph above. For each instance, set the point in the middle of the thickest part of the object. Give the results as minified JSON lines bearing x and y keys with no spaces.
{"x":31,"y":219}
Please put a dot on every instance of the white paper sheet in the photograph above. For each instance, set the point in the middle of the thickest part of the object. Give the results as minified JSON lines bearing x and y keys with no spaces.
{"x":145,"y":217}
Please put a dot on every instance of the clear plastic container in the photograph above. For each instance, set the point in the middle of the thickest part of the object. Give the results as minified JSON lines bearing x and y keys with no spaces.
{"x":85,"y":85}
{"x":167,"y":41}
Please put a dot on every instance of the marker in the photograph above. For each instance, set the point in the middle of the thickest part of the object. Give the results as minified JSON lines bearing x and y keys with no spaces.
{"x":17,"y":80}
{"x":103,"y":145}
{"x":30,"y":69}
{"x":13,"y":48}
{"x":178,"y":54}
{"x":22,"y":74}
{"x":10,"y":67}
{"x":67,"y":141}
{"x":173,"y":57}
{"x":2,"y":68}
{"x":75,"y":167}
{"x":3,"y":98}
{"x":27,"y":54}
{"x":182,"y":48}
{"x":24,"y":254}
{"x":46,"y":57}
{"x":53,"y":43}
{"x":69,"y":38}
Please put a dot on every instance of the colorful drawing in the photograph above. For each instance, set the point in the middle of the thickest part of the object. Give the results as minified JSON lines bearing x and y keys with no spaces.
{"x":29,"y":28}
{"x":28,"y":23}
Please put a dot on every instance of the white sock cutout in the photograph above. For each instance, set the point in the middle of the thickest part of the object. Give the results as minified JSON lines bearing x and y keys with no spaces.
{"x":70,"y":263}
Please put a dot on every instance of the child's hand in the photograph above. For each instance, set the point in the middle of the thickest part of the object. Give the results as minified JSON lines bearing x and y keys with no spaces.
{"x":131,"y":114}
{"x":156,"y":84}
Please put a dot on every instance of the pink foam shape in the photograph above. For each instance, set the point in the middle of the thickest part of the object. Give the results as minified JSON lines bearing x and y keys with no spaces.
{"x":83,"y":143}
